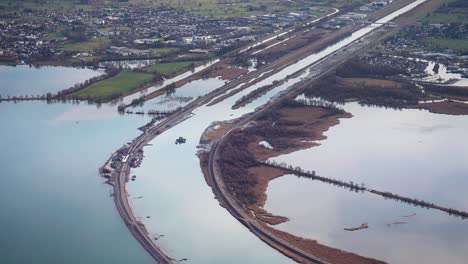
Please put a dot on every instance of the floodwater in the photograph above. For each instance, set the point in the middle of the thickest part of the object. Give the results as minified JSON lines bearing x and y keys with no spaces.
{"x":443,"y":75}
{"x":40,"y":80}
{"x":171,"y":198}
{"x":412,"y":153}
{"x":128,"y":99}
{"x":129,"y":64}
{"x":182,"y":95}
{"x":55,"y":207}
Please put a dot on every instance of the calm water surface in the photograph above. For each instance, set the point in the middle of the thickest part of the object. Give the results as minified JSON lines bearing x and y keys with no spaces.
{"x":55,"y":208}
{"x":409,"y":152}
{"x":29,"y":80}
{"x":181,"y":96}
{"x":170,"y":181}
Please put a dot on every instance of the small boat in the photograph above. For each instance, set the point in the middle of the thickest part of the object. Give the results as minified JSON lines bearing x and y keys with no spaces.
{"x":180,"y":140}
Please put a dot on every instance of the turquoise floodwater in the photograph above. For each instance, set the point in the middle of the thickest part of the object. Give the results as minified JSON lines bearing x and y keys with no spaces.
{"x":54,"y":207}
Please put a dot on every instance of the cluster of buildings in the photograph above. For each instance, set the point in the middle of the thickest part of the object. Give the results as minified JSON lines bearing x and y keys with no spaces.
{"x":350,"y":18}
{"x":23,"y":40}
{"x":131,"y":29}
{"x":374,"y":5}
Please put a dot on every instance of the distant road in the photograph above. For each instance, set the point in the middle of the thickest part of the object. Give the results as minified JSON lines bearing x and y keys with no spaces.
{"x":319,"y":69}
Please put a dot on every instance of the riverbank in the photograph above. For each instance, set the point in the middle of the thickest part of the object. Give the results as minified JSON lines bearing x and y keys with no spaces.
{"x":322,"y":59}
{"x":286,"y":129}
{"x":384,"y":87}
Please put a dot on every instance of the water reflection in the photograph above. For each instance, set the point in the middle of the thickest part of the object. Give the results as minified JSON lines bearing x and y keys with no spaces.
{"x":55,"y":208}
{"x":181,"y":96}
{"x":29,"y":80}
{"x":409,"y":152}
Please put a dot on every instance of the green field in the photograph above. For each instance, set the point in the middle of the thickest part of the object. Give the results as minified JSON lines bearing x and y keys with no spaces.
{"x":460,"y":45}
{"x":171,"y":67}
{"x":123,"y":83}
{"x":87,"y":46}
{"x":236,"y":8}
{"x":444,"y":18}
{"x":163,"y":51}
{"x":209,"y":8}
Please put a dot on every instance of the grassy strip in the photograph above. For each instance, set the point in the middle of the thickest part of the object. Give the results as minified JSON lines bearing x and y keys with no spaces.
{"x":123,"y":83}
{"x":87,"y":46}
{"x":444,"y":18}
{"x":163,"y":51}
{"x":460,"y":45}
{"x":169,"y":68}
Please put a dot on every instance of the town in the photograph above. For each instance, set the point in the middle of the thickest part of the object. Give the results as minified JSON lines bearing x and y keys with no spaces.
{"x":87,"y":35}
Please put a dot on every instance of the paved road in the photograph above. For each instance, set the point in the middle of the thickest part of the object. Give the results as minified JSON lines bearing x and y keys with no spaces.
{"x":318,"y":70}
{"x":120,"y":195}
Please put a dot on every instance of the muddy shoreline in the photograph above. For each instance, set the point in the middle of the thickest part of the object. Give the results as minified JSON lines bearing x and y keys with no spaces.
{"x":299,"y":127}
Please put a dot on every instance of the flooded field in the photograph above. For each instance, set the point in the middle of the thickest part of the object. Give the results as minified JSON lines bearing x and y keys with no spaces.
{"x":409,"y":152}
{"x":169,"y":194}
{"x":444,"y":75}
{"x":40,"y":80}
{"x":128,"y":99}
{"x":128,"y":64}
{"x":171,"y":198}
{"x":181,"y":96}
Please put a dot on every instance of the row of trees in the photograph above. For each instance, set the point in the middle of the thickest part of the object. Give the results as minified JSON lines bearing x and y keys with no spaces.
{"x":352,"y":186}
{"x":359,"y":68}
{"x":252,"y":96}
{"x":299,"y":172}
{"x":336,"y":90}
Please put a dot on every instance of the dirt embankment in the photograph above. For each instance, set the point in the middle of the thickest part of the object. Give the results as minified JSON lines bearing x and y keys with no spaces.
{"x":287,"y":44}
{"x":333,"y":255}
{"x":283,"y":131}
{"x":448,"y":108}
{"x":288,"y":128}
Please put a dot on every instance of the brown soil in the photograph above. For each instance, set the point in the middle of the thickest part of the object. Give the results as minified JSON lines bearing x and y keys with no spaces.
{"x":450,"y":92}
{"x":330,"y":254}
{"x":371,"y":82}
{"x":264,"y":175}
{"x":204,"y":156}
{"x":314,"y":120}
{"x":227,"y":72}
{"x":215,"y":133}
{"x":448,"y":108}
{"x":296,"y":42}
